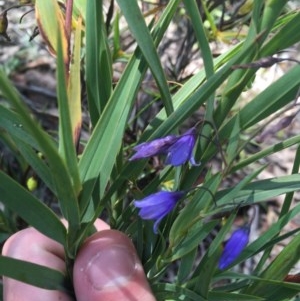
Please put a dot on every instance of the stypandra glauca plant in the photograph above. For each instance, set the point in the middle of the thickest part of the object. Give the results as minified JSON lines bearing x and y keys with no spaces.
{"x":176,"y":185}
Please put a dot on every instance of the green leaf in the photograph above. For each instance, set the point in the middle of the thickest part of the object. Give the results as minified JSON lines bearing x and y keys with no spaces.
{"x":279,"y":290}
{"x":276,"y":96}
{"x":222,"y":296}
{"x":68,"y":198}
{"x":272,"y":11}
{"x":186,"y":265}
{"x":191,"y":239}
{"x":266,"y":152}
{"x":278,"y":269}
{"x":230,"y":195}
{"x":34,"y":212}
{"x":80,"y":6}
{"x":103,"y":146}
{"x":37,"y":164}
{"x":12,"y":124}
{"x":140,"y":32}
{"x":193,"y":212}
{"x":287,"y":36}
{"x":34,"y":274}
{"x":67,"y":139}
{"x":262,"y":190}
{"x":168,"y":291}
{"x":98,"y":61}
{"x":233,"y":142}
{"x":260,"y":27}
{"x":206,"y":54}
{"x":60,"y":174}
{"x":287,"y":203}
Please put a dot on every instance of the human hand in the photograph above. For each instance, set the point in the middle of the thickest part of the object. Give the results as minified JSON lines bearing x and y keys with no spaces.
{"x":106,"y":268}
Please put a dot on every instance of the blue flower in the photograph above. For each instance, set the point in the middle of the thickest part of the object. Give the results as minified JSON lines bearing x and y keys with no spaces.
{"x":153,"y":148}
{"x":156,"y":206}
{"x":234,"y":246}
{"x":182,"y":150}
{"x":178,"y":149}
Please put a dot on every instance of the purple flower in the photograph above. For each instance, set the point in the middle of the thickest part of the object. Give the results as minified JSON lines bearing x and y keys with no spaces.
{"x":156,"y":206}
{"x":234,"y":246}
{"x":182,"y":150}
{"x":179,"y":149}
{"x":153,"y":148}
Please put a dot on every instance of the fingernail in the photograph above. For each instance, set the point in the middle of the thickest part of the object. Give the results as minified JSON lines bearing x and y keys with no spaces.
{"x":113,"y":266}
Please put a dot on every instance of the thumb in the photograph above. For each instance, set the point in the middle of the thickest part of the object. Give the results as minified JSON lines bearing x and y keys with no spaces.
{"x":107,"y":268}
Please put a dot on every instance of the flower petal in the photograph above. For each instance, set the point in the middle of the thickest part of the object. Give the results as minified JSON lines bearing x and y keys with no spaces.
{"x":181,"y":151}
{"x":153,"y":148}
{"x":235,"y":245}
{"x":156,"y":206}
{"x":154,"y":212}
{"x":156,"y":224}
{"x":193,"y":161}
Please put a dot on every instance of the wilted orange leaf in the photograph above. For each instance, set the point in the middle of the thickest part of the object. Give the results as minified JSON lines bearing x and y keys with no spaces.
{"x":51,"y":22}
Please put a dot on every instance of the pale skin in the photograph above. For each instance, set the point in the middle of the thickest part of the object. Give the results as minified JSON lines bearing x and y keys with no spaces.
{"x":106,"y":268}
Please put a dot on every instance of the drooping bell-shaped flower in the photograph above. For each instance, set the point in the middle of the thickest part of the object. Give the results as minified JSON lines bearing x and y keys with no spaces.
{"x":179,"y":149}
{"x":182,"y":150}
{"x":234,"y":246}
{"x":156,"y":206}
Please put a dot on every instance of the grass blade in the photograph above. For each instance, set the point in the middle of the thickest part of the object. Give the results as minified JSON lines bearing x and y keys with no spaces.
{"x":34,"y":274}
{"x":98,"y":61}
{"x":60,"y":175}
{"x":34,"y":212}
{"x":143,"y":38}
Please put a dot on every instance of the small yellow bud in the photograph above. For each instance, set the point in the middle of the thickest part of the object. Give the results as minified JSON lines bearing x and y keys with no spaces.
{"x":168,"y":185}
{"x":31,"y":184}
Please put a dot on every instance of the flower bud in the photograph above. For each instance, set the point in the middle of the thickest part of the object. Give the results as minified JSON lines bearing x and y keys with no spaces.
{"x":234,"y":246}
{"x":31,"y":184}
{"x":178,"y":149}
